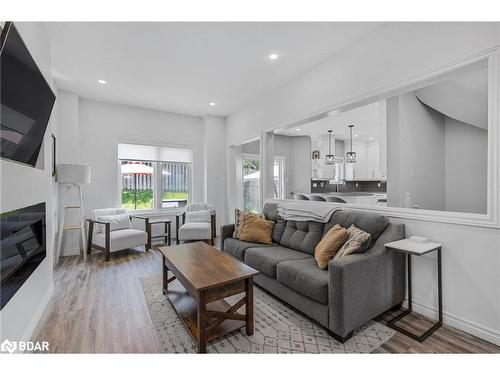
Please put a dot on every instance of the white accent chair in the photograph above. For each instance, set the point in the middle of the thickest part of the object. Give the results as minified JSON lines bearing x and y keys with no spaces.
{"x":195,"y":224}
{"x":110,"y":230}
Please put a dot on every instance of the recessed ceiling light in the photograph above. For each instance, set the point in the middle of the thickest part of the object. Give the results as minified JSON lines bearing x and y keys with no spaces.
{"x":211,"y":103}
{"x":356,"y":135}
{"x":273,"y":56}
{"x":101,"y":81}
{"x":298,"y":130}
{"x":371,"y":138}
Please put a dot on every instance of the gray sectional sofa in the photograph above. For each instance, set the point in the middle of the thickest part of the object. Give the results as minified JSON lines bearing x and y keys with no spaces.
{"x":354,"y":288}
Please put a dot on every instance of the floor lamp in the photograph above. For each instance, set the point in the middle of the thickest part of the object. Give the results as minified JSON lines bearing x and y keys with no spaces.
{"x":72,"y":176}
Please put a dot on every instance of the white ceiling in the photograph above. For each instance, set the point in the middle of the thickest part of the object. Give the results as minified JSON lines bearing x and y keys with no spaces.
{"x":366,"y":121}
{"x":181,"y":67}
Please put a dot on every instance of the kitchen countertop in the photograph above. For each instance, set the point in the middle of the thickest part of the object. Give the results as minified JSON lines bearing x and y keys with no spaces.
{"x":350,"y":194}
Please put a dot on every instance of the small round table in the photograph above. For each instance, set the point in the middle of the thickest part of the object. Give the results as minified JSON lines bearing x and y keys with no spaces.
{"x":410,"y":248}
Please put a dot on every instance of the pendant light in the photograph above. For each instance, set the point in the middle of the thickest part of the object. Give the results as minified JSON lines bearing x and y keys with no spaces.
{"x":350,"y":157}
{"x":330,"y":158}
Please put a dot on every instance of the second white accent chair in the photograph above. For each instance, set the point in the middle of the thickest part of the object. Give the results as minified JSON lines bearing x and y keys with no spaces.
{"x":197,"y":223}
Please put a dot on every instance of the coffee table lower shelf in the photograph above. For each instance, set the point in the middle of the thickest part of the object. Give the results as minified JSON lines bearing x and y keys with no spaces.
{"x":186,"y":307}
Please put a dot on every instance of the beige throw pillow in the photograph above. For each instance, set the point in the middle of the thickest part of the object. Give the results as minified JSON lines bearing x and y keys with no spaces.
{"x":239,"y":219}
{"x":329,"y":245}
{"x":256,"y":229}
{"x":357,"y":242}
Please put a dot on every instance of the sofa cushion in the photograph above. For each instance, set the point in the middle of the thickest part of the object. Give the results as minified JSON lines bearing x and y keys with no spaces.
{"x":302,"y":235}
{"x":202,"y":216}
{"x":237,"y":248}
{"x":329,"y":245}
{"x":374,"y":224}
{"x":239,"y":220}
{"x":304,"y":277}
{"x":195,"y":231}
{"x":270,"y":212}
{"x":122,"y":239}
{"x":116,"y":222}
{"x":357,"y":243}
{"x":265,"y":259}
{"x":256,"y":229}
{"x":98,"y":212}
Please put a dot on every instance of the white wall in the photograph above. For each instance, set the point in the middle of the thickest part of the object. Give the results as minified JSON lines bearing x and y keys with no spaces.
{"x":440,"y":161}
{"x":393,"y":54}
{"x":419,"y":147}
{"x":466,"y":151}
{"x":24,"y":186}
{"x":299,"y":165}
{"x":214,"y":158}
{"x":92,"y":136}
{"x":102,"y":126}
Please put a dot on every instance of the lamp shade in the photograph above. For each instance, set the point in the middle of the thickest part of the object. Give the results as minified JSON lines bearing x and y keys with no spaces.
{"x":73,"y":174}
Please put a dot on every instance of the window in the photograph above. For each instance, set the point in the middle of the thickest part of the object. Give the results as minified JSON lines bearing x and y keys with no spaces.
{"x":154,"y":178}
{"x":176,"y":184}
{"x":137,"y":184}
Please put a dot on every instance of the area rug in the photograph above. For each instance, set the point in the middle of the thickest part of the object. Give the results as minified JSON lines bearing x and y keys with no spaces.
{"x":278,"y":329}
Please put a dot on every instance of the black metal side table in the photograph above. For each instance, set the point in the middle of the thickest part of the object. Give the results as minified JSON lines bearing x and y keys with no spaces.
{"x":410,"y":247}
{"x":166,"y":235}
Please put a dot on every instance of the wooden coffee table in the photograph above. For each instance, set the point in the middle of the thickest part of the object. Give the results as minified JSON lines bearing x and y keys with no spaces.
{"x":202,"y":277}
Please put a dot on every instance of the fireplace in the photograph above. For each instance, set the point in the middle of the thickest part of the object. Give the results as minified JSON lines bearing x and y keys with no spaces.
{"x":22,"y":247}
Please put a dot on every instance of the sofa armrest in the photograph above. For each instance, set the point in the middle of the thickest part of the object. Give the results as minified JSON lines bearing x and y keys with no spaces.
{"x":363,"y":286}
{"x":226,"y":231}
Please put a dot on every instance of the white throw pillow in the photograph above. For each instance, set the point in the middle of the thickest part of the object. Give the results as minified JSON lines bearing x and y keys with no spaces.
{"x":198,"y":216}
{"x":117,"y":222}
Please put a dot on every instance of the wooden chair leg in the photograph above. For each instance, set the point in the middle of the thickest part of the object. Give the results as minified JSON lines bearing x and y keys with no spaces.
{"x":89,"y":237}
{"x":149,"y":231}
{"x":107,"y":242}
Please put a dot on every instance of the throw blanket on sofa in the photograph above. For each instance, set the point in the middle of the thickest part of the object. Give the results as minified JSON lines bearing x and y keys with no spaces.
{"x":305,"y":211}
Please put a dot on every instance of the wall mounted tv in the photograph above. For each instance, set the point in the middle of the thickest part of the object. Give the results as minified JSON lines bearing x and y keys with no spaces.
{"x":26,"y":100}
{"x":22,"y":247}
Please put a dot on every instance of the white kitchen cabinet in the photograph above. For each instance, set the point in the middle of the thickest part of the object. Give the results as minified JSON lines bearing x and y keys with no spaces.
{"x":373,"y":160}
{"x":367,"y":164}
{"x":360,"y":166}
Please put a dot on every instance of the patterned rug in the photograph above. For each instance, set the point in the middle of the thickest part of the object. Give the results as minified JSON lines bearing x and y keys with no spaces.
{"x":278,"y":329}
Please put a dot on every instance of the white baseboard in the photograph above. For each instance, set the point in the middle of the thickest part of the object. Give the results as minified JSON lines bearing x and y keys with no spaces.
{"x":28,"y":333}
{"x":459,"y":323}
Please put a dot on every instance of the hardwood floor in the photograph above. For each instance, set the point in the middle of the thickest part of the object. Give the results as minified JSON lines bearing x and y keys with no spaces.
{"x":99,"y":307}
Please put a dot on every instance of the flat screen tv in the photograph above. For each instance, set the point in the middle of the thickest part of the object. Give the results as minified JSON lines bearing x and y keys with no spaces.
{"x":26,"y":100}
{"x":22,"y":247}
